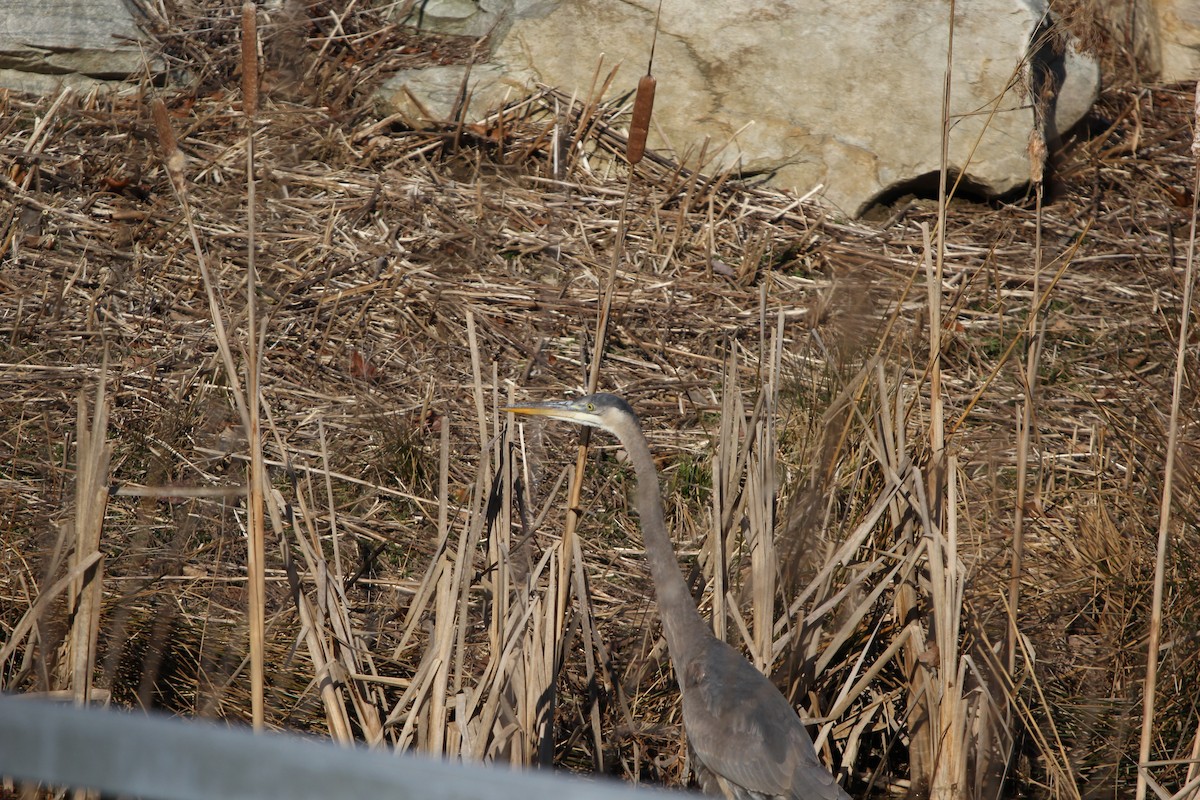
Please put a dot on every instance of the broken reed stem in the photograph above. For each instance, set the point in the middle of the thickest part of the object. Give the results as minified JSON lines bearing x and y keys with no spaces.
{"x":345,"y":655}
{"x":1024,"y":421}
{"x":954,"y":743}
{"x":932,"y":770}
{"x":20,"y":633}
{"x":484,"y":469}
{"x":570,"y":543}
{"x":174,"y":160}
{"x":93,"y":453}
{"x":314,"y":619}
{"x":935,"y":772}
{"x":255,"y":523}
{"x":643,"y":107}
{"x":1164,"y":509}
{"x":1037,"y":158}
{"x":947,"y":706}
{"x":1194,"y":757}
{"x":762,"y":488}
{"x":944,"y":155}
{"x":933,"y":282}
{"x":724,"y":488}
{"x":1011,"y":716}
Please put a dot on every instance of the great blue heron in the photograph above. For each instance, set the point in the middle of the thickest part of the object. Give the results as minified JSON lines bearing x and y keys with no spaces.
{"x":745,"y":738}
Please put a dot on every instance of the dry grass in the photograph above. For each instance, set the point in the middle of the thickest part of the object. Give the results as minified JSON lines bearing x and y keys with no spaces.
{"x":846,"y":504}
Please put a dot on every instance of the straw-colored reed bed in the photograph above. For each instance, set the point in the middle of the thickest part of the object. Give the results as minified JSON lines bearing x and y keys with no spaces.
{"x":946,"y":562}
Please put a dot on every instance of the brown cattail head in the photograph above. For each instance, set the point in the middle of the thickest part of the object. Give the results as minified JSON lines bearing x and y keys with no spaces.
{"x":172,"y":156}
{"x":639,"y":127}
{"x":249,"y":59}
{"x":1036,"y":150}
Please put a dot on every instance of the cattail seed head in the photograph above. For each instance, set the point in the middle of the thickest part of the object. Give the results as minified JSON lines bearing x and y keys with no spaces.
{"x":1036,"y":150}
{"x":172,"y":156}
{"x":639,"y":127}
{"x":249,"y":59}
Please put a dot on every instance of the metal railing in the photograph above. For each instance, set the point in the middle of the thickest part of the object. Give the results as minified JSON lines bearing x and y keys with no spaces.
{"x":160,"y":758}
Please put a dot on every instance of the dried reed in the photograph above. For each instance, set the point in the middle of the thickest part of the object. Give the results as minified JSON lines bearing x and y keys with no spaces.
{"x":91,"y":498}
{"x":397,"y":268}
{"x":1164,"y":511}
{"x":256,"y":479}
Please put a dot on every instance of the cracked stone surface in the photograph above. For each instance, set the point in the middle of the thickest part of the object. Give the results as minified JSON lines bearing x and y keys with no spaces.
{"x":47,"y":44}
{"x":1178,"y":39}
{"x":842,"y":96}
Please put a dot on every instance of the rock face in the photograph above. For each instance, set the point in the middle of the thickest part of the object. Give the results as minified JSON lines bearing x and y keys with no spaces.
{"x":846,"y":96}
{"x":461,"y":17}
{"x":1178,"y":39}
{"x":45,"y":44}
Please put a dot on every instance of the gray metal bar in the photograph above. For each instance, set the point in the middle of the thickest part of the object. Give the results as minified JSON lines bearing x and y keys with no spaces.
{"x":172,"y":759}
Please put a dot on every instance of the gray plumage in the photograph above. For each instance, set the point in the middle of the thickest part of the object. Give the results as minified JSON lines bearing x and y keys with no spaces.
{"x":745,"y":738}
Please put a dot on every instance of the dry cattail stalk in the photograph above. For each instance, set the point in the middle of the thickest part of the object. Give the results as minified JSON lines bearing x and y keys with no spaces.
{"x":639,"y":128}
{"x":172,"y":156}
{"x":249,"y":59}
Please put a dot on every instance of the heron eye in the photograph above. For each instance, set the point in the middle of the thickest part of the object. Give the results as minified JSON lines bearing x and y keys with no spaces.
{"x":591,"y":406}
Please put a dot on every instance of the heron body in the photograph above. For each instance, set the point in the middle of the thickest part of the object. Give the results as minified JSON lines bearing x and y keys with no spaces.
{"x":746,"y":740}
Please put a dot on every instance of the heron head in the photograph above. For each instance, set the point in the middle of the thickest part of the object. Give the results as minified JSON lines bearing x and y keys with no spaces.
{"x":605,"y":411}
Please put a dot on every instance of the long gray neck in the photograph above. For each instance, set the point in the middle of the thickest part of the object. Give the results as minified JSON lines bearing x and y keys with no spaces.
{"x":684,"y":628}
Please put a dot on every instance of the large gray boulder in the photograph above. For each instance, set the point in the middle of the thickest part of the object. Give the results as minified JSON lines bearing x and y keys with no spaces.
{"x":46,"y":44}
{"x":843,"y":96}
{"x":1178,"y":39}
{"x":460,"y":17}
